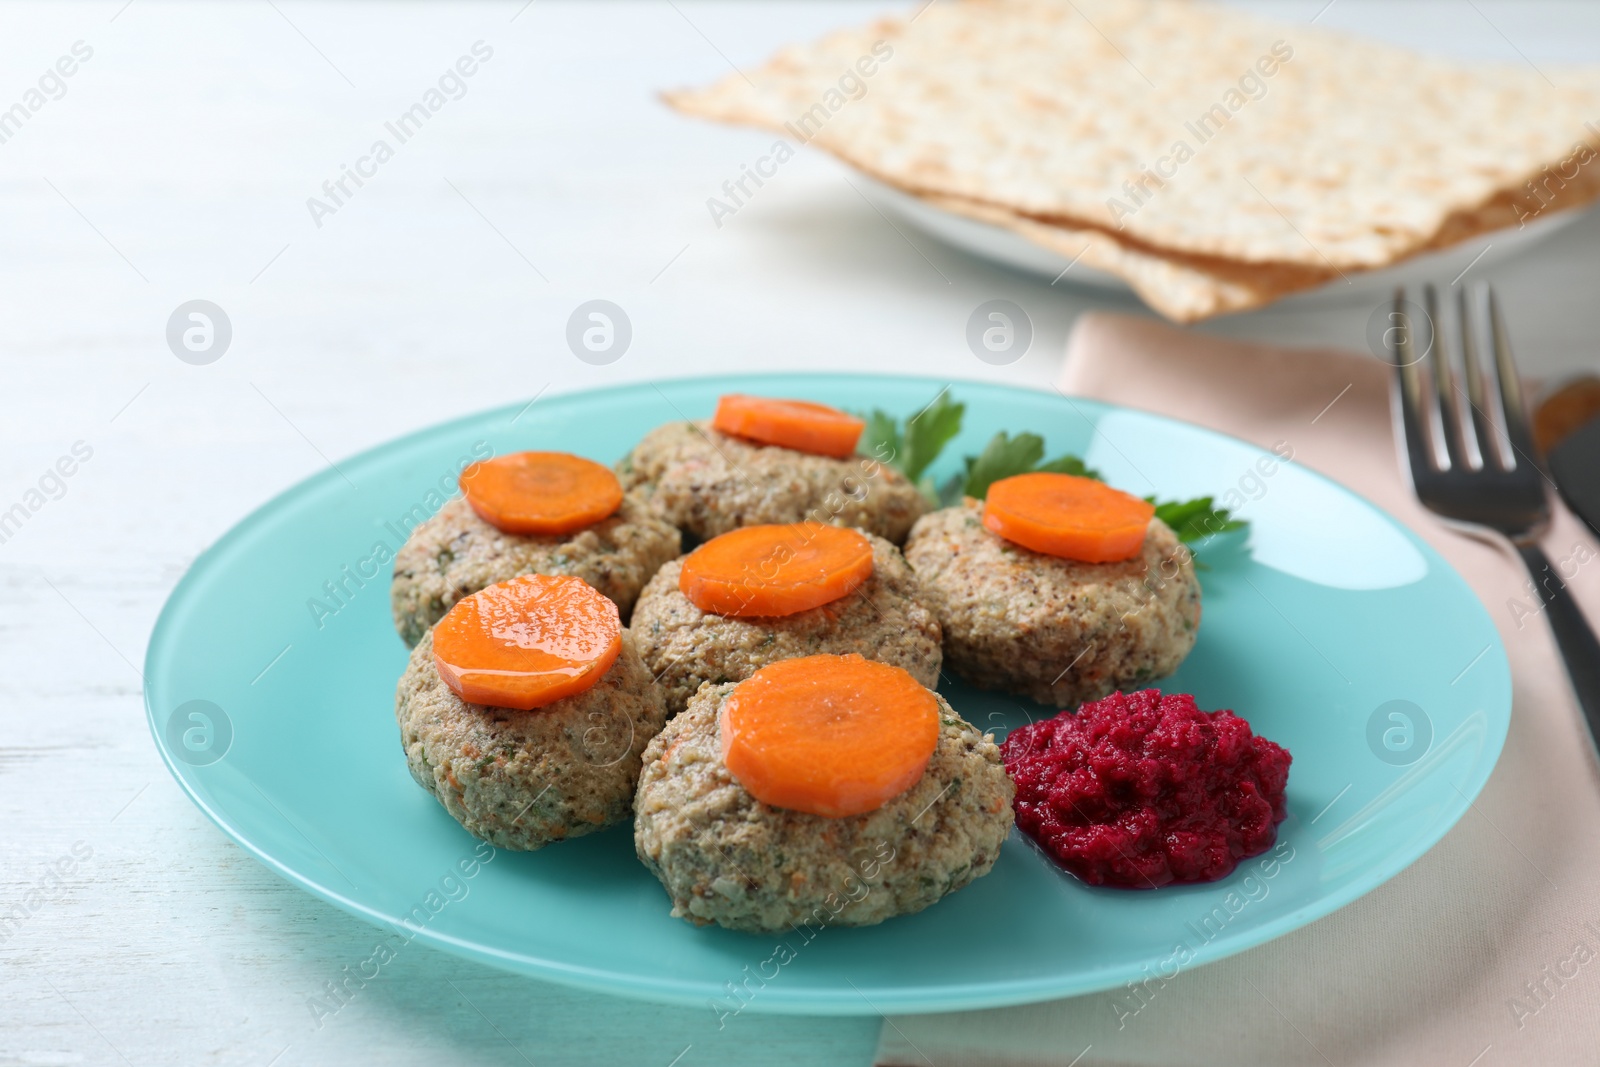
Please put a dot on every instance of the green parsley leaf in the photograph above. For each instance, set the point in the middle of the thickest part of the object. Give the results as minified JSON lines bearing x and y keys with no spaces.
{"x":1005,"y":456}
{"x":1070,"y":465}
{"x":881,"y":438}
{"x":913,"y":448}
{"x":1002,"y":457}
{"x":928,"y":431}
{"x":1195,"y":520}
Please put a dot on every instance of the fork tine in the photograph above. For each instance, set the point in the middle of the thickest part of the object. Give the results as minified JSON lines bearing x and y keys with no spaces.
{"x":1444,"y":385}
{"x":1414,"y":419}
{"x":1513,"y":412}
{"x":1483,"y":434}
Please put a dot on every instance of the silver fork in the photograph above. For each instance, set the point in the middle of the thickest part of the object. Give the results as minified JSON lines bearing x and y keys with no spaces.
{"x":1480,"y":471}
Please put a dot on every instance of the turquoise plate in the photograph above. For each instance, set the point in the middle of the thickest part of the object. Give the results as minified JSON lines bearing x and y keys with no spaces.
{"x":1331,"y":628}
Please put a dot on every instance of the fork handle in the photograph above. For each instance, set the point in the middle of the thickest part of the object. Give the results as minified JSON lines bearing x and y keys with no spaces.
{"x":1579,"y":648}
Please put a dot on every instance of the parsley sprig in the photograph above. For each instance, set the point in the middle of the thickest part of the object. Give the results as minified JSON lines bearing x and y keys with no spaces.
{"x":913,"y":448}
{"x":1197,"y":519}
{"x":1005,"y":456}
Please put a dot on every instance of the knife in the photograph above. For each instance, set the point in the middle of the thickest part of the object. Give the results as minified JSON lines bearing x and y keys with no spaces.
{"x":1567,"y":427}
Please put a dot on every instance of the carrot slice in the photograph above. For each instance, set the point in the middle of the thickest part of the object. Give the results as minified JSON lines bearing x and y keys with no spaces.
{"x":527,"y":642}
{"x":829,"y":735}
{"x":541,"y":492}
{"x":1064,"y":515}
{"x":766,"y":571}
{"x":797,"y":424}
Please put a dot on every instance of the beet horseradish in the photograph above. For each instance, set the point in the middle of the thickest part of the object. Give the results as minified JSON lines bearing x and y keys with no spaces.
{"x":1142,"y":790}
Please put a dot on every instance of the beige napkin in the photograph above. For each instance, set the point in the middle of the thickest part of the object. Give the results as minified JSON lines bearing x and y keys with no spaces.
{"x":1487,"y":950}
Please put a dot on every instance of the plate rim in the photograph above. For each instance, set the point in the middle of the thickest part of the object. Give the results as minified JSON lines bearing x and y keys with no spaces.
{"x":906,"y":1000}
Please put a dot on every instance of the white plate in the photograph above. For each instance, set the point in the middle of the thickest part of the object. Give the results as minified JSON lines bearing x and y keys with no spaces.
{"x":1000,"y":245}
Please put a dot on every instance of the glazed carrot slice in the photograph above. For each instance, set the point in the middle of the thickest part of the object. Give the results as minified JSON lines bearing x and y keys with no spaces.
{"x":766,"y":571}
{"x":527,"y":642}
{"x":829,"y":735}
{"x":1064,"y":515}
{"x":541,"y":492}
{"x":797,"y":424}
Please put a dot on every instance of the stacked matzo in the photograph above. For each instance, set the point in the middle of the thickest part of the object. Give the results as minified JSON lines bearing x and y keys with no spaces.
{"x":1214,"y":160}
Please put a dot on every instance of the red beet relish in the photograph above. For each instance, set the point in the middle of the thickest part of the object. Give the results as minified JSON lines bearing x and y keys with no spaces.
{"x":1142,"y":790}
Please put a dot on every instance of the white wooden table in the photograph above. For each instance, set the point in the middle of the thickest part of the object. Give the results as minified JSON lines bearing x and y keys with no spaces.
{"x":175,"y":163}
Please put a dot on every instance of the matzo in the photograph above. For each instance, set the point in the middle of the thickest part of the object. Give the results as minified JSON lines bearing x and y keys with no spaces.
{"x":1348,"y":155}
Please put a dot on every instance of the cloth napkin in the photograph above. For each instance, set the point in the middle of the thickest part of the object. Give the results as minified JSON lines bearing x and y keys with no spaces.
{"x":1487,"y":950}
